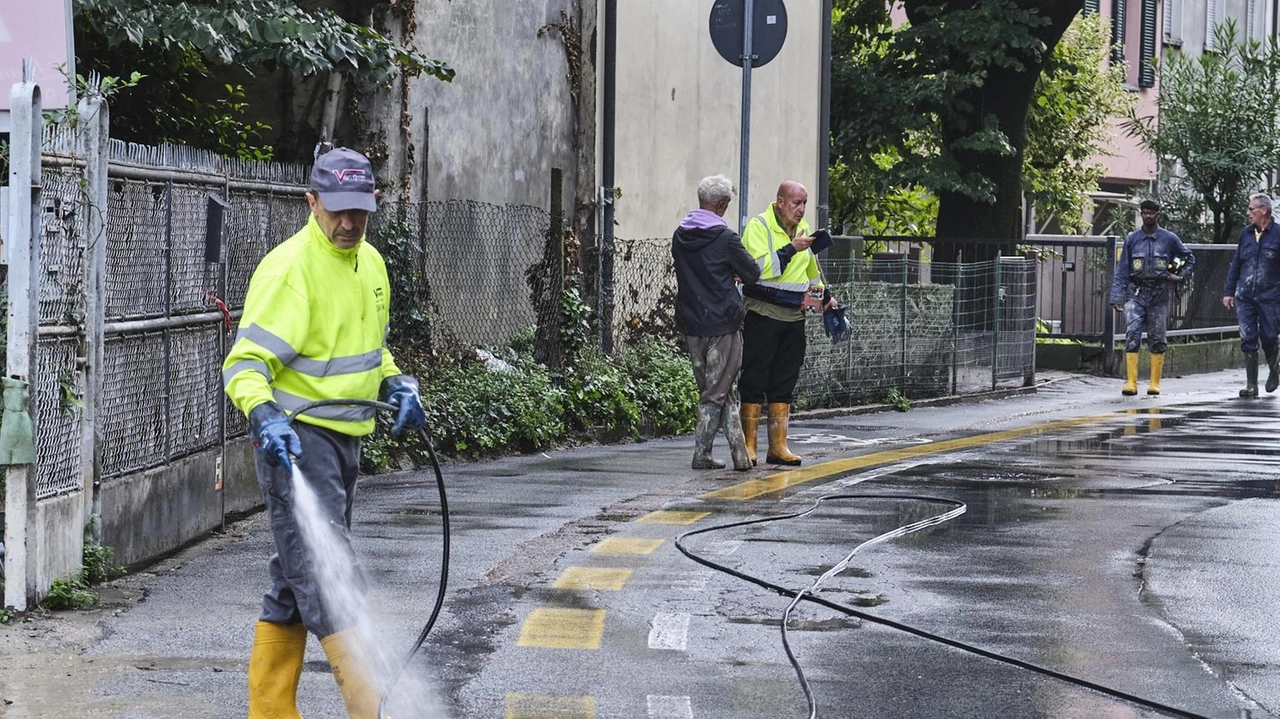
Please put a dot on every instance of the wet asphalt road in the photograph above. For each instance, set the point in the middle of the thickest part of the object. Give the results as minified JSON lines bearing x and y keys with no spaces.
{"x":1129,"y":542}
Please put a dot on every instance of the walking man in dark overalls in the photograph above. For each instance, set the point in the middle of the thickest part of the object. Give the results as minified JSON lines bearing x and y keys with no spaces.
{"x":1253,"y":288}
{"x":1152,"y":260}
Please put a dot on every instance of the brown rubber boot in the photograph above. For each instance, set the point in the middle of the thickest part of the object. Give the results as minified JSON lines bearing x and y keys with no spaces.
{"x":704,"y":435}
{"x":779,"y":418}
{"x":751,"y":427}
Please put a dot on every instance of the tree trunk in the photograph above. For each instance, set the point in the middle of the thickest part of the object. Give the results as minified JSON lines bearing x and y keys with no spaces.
{"x":1006,"y":96}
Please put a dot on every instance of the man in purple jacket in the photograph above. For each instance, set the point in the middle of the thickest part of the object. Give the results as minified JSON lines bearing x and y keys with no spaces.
{"x":709,"y":260}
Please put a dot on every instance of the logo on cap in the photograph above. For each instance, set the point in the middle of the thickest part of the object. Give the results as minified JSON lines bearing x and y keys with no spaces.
{"x":350,"y":173}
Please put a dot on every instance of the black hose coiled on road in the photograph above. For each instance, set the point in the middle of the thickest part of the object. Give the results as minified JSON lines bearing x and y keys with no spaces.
{"x":444,"y":536}
{"x":807,"y":595}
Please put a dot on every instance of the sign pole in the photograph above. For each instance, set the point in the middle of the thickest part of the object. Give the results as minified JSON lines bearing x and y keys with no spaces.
{"x":748,"y":20}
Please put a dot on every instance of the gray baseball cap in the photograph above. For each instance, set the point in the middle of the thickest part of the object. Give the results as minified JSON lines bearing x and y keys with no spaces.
{"x":343,"y":179}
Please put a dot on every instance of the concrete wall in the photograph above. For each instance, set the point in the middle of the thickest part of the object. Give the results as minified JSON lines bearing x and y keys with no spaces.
{"x":148,"y":514}
{"x":679,"y":113}
{"x":495,"y":132}
{"x":240,"y":490}
{"x":59,"y":546}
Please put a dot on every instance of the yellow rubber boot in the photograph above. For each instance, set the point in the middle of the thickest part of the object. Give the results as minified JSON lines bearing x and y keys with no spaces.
{"x":1131,"y":374}
{"x":779,"y":418}
{"x":1157,"y":368}
{"x":351,"y":670}
{"x":750,"y":427}
{"x":275,"y":665}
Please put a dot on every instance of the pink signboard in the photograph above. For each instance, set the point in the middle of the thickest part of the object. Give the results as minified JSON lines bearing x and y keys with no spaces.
{"x":41,"y":30}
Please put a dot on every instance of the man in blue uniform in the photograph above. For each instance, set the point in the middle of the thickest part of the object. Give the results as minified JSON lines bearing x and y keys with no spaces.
{"x":1253,"y":288}
{"x":1152,"y":260}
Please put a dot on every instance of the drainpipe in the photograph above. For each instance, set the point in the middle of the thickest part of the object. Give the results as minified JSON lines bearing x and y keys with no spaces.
{"x":824,"y":120}
{"x":607,"y":193}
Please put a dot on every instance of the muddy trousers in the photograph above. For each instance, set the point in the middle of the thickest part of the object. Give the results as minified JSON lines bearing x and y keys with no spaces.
{"x":1148,"y":314}
{"x":1259,"y":324}
{"x":716,"y":361}
{"x":330,"y":464}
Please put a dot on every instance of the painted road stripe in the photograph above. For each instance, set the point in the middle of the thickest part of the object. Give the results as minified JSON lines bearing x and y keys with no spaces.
{"x":605,"y":579}
{"x":666,"y":707}
{"x":722,"y":548}
{"x":669,"y":631}
{"x":777,"y":482}
{"x":626,"y":545}
{"x":549,"y":706}
{"x":556,"y":628}
{"x":672,"y":516}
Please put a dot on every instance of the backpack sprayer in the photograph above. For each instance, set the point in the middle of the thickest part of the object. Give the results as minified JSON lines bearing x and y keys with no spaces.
{"x":444,"y":533}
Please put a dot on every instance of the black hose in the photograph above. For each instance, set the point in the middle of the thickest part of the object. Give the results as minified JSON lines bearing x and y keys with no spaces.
{"x":807,"y":595}
{"x":444,"y":535}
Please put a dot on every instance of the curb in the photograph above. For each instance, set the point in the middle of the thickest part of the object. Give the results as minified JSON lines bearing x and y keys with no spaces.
{"x":833,"y":412}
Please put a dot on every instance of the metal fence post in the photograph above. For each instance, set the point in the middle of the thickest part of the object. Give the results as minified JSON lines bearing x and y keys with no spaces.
{"x":95,"y":116}
{"x":1109,"y":314}
{"x":555,"y":347}
{"x":23,"y":237}
{"x":902,"y":370}
{"x":995,"y":325}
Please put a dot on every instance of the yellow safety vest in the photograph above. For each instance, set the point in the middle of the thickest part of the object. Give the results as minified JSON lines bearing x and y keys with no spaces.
{"x":314,"y":327}
{"x":763,"y":237}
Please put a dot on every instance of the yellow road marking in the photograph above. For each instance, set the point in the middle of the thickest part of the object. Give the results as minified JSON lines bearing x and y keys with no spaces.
{"x":672,"y":516}
{"x":602,"y":578}
{"x":549,"y":706}
{"x":777,"y":482}
{"x":626,"y":545}
{"x":556,"y":628}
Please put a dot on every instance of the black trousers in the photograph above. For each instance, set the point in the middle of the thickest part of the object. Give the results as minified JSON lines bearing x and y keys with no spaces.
{"x":772,"y":353}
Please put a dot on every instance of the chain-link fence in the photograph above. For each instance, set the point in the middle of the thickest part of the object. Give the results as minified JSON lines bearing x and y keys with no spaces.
{"x":923,"y":329}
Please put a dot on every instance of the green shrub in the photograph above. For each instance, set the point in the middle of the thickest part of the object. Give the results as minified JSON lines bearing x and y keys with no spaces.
{"x":70,"y":593}
{"x":472,"y":410}
{"x":662,"y":384}
{"x":598,"y":397}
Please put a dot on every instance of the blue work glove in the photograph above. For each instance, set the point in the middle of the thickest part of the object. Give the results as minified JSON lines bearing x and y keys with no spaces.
{"x":273,"y":435}
{"x":401,"y":392}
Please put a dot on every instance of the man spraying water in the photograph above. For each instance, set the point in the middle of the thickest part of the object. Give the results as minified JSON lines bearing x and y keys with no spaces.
{"x":313,"y":328}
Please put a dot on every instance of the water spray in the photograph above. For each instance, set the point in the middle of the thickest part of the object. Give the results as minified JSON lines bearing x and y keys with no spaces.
{"x":444,"y":535}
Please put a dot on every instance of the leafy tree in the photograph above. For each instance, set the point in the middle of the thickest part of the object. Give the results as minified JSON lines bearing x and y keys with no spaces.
{"x":199,"y":55}
{"x":1218,"y":133}
{"x":1070,"y":120}
{"x":949,"y":94}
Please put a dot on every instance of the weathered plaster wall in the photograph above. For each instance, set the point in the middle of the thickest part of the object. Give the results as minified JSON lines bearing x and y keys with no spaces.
{"x":495,"y":132}
{"x":679,"y":113}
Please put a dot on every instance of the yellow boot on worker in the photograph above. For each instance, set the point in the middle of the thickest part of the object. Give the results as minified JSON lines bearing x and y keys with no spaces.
{"x":1157,"y":368}
{"x":779,"y":418}
{"x":1131,"y":374}
{"x":750,"y":417}
{"x":351,"y":670}
{"x":275,"y":665}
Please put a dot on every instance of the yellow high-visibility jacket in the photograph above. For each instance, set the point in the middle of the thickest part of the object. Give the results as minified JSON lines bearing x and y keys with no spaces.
{"x":763,"y":237}
{"x":314,"y":327}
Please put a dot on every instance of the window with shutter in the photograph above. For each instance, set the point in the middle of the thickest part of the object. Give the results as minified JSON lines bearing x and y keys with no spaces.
{"x":1212,"y":15}
{"x":1147,"y":45}
{"x":1118,"y":20}
{"x":1173,"y":22}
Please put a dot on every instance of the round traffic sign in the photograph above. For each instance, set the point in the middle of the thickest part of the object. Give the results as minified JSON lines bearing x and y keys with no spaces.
{"x":767,"y":32}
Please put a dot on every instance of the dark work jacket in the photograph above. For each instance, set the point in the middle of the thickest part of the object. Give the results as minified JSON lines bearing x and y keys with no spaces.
{"x":707,"y":302}
{"x":1145,"y":262}
{"x":1255,"y":269}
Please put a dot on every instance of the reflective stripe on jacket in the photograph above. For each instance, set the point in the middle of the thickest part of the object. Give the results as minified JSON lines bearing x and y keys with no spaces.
{"x":314,"y":327}
{"x":764,"y":238}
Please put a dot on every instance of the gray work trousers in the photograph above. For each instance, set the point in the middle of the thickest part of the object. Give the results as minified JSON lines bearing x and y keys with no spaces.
{"x":716,"y":361}
{"x":330,"y":463}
